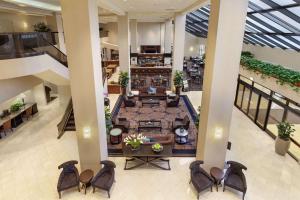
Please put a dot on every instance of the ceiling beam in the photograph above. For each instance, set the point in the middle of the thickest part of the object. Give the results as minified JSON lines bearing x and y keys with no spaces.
{"x":108,"y":5}
{"x":276,"y":8}
{"x":196,"y":5}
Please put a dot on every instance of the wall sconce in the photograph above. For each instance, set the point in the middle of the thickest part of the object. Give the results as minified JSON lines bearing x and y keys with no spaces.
{"x":251,"y":78}
{"x":191,"y":48}
{"x":25,"y":25}
{"x":218,"y":133}
{"x":86,"y":132}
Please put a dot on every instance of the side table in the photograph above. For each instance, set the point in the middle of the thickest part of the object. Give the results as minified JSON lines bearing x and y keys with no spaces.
{"x":85,"y":178}
{"x":115,"y":135}
{"x":218,"y":175}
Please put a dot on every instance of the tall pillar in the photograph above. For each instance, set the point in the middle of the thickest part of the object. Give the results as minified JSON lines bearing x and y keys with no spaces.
{"x":64,"y":95}
{"x":168,"y":36}
{"x":60,"y":30}
{"x":124,"y":42}
{"x":162,"y":37}
{"x":83,"y":46}
{"x":221,"y":71}
{"x":133,"y":36}
{"x":179,"y":37}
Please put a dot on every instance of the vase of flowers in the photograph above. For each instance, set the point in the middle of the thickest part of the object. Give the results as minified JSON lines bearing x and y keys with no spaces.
{"x":283,"y":141}
{"x":134,"y":140}
{"x":157,"y":148}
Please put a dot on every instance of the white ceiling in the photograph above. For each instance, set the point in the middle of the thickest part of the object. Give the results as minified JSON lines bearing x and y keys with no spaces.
{"x":142,"y":10}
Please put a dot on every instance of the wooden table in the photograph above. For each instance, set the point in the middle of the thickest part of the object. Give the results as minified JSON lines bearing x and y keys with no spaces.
{"x":109,"y":72}
{"x":150,"y":102}
{"x":115,"y":133}
{"x":146,"y":156}
{"x":112,"y":67}
{"x":149,"y":125}
{"x":217,"y":174}
{"x":85,"y":178}
{"x":181,"y":136}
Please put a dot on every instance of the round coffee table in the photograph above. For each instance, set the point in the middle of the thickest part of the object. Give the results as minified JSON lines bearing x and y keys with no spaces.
{"x":172,"y":96}
{"x":217,"y":174}
{"x":130,"y":96}
{"x":85,"y":178}
{"x":115,"y":135}
{"x":181,"y":136}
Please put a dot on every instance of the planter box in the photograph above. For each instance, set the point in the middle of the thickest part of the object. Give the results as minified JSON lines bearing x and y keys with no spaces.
{"x":271,"y":83}
{"x":113,"y":89}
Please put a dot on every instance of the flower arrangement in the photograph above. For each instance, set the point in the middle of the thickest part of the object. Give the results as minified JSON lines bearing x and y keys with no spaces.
{"x":157,"y":147}
{"x":134,"y":140}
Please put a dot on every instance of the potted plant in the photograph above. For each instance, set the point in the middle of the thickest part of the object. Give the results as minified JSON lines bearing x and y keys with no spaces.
{"x":123,"y":81}
{"x":283,"y":141}
{"x":197,"y":122}
{"x":108,"y":120}
{"x":41,"y":27}
{"x":134,"y":140}
{"x":16,"y":106}
{"x":157,"y":147}
{"x":178,"y":81}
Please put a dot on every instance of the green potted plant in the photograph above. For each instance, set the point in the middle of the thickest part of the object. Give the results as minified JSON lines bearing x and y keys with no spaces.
{"x":108,"y":120}
{"x":178,"y":81}
{"x":157,"y":147}
{"x":41,"y":27}
{"x":198,"y":117}
{"x":283,"y":141}
{"x":123,"y":81}
{"x":134,"y":140}
{"x":16,"y":106}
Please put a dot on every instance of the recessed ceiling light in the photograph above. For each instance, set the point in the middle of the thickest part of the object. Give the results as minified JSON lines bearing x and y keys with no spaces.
{"x":22,"y":5}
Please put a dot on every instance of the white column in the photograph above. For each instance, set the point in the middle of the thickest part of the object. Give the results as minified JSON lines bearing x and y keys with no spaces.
{"x":83,"y":46}
{"x":133,"y":36}
{"x":64,"y":95}
{"x":40,"y":95}
{"x":162,"y":37}
{"x":124,"y":42}
{"x":179,"y":37}
{"x":168,"y":36}
{"x":60,"y":30}
{"x":221,"y":71}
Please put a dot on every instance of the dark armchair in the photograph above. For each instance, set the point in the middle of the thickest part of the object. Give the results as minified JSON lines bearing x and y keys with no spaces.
{"x":200,"y":179}
{"x":179,"y":122}
{"x":105,"y":177}
{"x":129,"y":102}
{"x":173,"y":102}
{"x":235,"y":178}
{"x":69,"y":177}
{"x":121,"y":123}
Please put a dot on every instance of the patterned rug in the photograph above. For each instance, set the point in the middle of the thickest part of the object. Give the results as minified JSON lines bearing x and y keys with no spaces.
{"x":166,"y":115}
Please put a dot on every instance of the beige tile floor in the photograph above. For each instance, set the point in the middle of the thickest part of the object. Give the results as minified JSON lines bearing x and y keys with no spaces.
{"x":29,"y":158}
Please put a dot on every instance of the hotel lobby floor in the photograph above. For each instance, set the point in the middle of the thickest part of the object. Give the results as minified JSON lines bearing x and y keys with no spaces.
{"x":29,"y":158}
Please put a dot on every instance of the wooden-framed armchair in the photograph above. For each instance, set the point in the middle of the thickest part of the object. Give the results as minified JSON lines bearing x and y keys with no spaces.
{"x":121,"y":123}
{"x":200,"y":179}
{"x":105,"y":177}
{"x":69,"y":177}
{"x":128,"y":102}
{"x":181,"y":122}
{"x":173,"y":102}
{"x":235,"y":178}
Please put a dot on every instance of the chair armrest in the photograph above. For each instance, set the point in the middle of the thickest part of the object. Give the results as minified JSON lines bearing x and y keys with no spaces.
{"x":122,"y":119}
{"x":178,"y":119}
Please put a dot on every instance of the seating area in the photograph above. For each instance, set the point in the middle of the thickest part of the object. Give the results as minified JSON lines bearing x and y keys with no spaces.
{"x":193,"y":68}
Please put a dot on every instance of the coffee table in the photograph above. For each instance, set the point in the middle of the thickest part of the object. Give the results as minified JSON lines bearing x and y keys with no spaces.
{"x":115,"y":134}
{"x":151,"y":102}
{"x":85,"y":178}
{"x":146,"y":156}
{"x":149,"y":125}
{"x":181,"y":135}
{"x":217,"y":174}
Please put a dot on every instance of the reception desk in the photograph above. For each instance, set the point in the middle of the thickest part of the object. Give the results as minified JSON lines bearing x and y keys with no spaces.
{"x":145,"y":76}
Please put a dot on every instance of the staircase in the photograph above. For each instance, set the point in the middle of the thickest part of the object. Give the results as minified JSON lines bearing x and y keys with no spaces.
{"x":67,"y":122}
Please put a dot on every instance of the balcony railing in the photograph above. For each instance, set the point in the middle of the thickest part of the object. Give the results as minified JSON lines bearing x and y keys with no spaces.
{"x":18,"y":45}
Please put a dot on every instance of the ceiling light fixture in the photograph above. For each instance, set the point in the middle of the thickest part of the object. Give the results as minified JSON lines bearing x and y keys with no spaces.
{"x":37,"y":4}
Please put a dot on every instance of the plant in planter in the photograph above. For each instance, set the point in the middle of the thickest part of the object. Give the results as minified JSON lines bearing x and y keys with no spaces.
{"x":41,"y":27}
{"x":134,"y":140}
{"x":123,"y":81}
{"x":198,"y":117}
{"x":16,"y":106}
{"x":247,"y":54}
{"x":178,"y":81}
{"x":282,"y":143}
{"x":108,"y":120}
{"x":157,"y":147}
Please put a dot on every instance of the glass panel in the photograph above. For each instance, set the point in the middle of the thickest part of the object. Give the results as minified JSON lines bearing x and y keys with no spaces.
{"x":261,"y":88}
{"x":253,"y":105}
{"x":279,"y":97}
{"x":285,"y":19}
{"x":289,"y":41}
{"x":246,"y":100}
{"x":284,"y":2}
{"x":270,"y":22}
{"x":262,"y":112}
{"x":295,"y":10}
{"x":275,"y":117}
{"x":240,"y":95}
{"x":259,"y":25}
{"x":260,"y":4}
{"x":246,"y":80}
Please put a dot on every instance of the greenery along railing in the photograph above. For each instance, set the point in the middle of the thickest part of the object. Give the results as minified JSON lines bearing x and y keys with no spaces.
{"x":284,"y":75}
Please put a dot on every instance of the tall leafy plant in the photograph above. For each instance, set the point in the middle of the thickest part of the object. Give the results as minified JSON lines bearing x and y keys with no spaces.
{"x":41,"y":27}
{"x":178,"y":79}
{"x":123,"y":79}
{"x":285,"y":130}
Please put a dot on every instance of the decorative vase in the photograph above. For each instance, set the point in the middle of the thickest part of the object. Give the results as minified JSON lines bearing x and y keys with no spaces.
{"x":135,"y":148}
{"x":282,"y":146}
{"x":178,"y":90}
{"x":123,"y":90}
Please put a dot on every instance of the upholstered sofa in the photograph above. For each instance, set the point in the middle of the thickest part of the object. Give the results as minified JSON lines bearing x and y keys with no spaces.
{"x":160,"y":93}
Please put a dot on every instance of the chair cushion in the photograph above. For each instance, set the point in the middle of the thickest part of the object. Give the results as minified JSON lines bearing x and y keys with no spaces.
{"x":105,"y":181}
{"x":200,"y":181}
{"x":235,"y":181}
{"x":68,"y":181}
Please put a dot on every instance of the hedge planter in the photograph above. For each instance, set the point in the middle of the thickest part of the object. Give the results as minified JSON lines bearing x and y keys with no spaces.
{"x":282,"y":146}
{"x":178,"y":90}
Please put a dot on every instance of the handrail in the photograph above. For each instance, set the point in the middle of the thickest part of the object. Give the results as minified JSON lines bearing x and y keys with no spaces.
{"x":64,"y":121}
